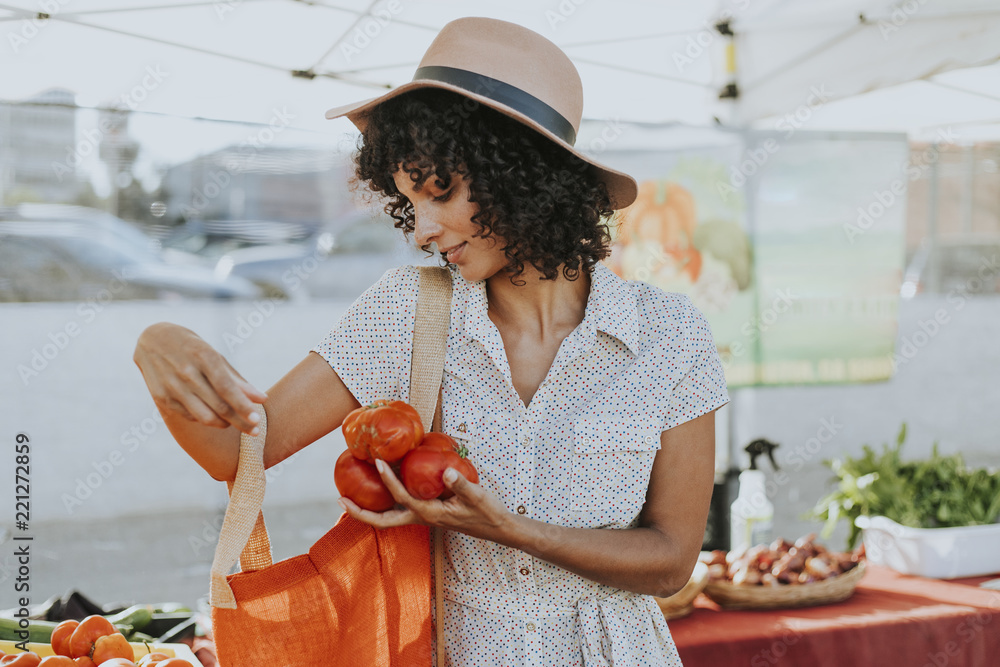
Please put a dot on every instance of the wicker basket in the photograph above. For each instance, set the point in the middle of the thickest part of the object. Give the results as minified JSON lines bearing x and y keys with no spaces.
{"x":681,"y":603}
{"x":827,"y":591}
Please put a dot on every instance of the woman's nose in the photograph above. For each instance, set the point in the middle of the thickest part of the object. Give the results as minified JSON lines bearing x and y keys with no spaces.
{"x":425,"y":227}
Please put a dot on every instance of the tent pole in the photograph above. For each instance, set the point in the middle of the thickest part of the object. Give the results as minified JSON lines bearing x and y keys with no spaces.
{"x":969,"y":153}
{"x":932,"y":204}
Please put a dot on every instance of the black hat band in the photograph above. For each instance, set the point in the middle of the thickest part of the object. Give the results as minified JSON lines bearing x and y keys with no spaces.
{"x":504,"y":93}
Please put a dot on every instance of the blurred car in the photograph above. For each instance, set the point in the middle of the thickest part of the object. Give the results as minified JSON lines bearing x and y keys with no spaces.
{"x":330,"y":265}
{"x":963,"y":265}
{"x":71,"y":261}
{"x":211,"y":239}
{"x":95,"y":218}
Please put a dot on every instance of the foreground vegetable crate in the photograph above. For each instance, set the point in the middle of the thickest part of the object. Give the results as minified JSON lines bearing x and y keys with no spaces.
{"x":173,"y":650}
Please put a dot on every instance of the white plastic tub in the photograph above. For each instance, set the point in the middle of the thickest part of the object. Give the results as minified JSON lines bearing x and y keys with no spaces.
{"x":941,"y":553}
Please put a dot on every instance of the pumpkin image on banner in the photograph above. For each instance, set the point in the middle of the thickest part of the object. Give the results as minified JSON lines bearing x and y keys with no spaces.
{"x":657,"y":237}
{"x":662,"y":242}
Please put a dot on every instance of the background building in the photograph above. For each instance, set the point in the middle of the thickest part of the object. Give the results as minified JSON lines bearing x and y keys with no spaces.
{"x":293,"y":185}
{"x":35,"y":135}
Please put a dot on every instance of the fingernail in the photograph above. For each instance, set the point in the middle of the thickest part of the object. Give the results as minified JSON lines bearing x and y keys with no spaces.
{"x":378,"y":464}
{"x":342,"y":505}
{"x":255,"y":431}
{"x":254,"y":417}
{"x":450,"y":475}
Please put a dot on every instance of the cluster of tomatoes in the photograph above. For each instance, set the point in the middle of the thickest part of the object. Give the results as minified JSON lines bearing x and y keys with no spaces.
{"x":392,"y":432}
{"x":92,"y":642}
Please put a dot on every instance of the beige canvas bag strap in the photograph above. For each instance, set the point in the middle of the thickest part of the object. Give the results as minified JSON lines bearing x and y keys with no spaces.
{"x":243,"y":535}
{"x":430,"y":337}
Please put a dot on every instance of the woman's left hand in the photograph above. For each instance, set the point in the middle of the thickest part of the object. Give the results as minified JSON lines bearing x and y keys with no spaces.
{"x":472,"y":510}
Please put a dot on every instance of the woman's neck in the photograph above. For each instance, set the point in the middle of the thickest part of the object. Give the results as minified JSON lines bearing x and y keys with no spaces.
{"x":539,"y":308}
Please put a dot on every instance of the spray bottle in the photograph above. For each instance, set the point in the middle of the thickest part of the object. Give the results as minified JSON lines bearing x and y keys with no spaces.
{"x":752,"y":514}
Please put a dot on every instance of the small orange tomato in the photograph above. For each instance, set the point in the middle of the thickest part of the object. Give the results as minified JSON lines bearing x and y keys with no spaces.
{"x":61,"y":635}
{"x":116,"y":662}
{"x":57,"y":661}
{"x":83,"y":661}
{"x":81,"y":642}
{"x":26,"y":659}
{"x":112,"y":646}
{"x":153,"y":658}
{"x":174,"y":662}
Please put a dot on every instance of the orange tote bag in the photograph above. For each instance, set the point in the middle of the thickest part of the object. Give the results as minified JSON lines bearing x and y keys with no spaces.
{"x":360,"y":596}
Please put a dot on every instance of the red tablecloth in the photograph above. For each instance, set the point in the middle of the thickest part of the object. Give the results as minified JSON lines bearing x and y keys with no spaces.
{"x":892,"y":620}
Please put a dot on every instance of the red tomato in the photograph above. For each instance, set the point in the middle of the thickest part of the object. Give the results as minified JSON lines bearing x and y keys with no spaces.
{"x":439,"y":441}
{"x":26,"y":659}
{"x":350,"y":427}
{"x":384,"y":429}
{"x":112,"y":646}
{"x":422,"y":470}
{"x":57,"y":661}
{"x":83,"y":661}
{"x":61,"y":635}
{"x":360,"y":481}
{"x":81,"y":642}
{"x":466,"y":469}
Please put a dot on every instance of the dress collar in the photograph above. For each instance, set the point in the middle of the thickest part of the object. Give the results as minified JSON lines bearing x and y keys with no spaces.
{"x":612,"y":307}
{"x":615,"y":306}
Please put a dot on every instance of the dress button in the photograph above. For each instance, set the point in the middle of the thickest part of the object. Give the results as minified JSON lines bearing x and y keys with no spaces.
{"x":525,"y":571}
{"x":521,"y":509}
{"x":530,"y":627}
{"x":525,"y":439}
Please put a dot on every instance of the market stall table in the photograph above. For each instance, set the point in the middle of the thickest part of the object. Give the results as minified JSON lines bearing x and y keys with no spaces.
{"x":891,"y":620}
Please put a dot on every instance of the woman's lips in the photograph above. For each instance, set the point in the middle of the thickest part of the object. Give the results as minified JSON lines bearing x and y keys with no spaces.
{"x":455,"y":253}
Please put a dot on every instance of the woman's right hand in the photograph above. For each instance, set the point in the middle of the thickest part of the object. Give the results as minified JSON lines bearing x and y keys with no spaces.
{"x":186,"y":376}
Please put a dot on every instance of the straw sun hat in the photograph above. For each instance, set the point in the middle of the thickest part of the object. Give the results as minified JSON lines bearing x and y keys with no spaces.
{"x":511,"y":69}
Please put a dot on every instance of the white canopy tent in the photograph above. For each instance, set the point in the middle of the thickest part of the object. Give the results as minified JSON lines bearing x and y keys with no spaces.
{"x":889,"y":66}
{"x":915,"y":66}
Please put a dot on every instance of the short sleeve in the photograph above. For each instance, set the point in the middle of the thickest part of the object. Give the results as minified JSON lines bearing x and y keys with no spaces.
{"x":369,"y":348}
{"x":702,"y":387}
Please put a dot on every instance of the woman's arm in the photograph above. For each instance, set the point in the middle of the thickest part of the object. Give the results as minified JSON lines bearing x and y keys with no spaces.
{"x":655,"y":558}
{"x":206,"y":404}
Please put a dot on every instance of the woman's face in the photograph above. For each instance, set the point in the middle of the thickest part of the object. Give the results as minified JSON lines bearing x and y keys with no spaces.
{"x":444,"y":217}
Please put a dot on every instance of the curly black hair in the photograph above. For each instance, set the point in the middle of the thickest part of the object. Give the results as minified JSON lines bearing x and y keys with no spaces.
{"x":545,"y":204}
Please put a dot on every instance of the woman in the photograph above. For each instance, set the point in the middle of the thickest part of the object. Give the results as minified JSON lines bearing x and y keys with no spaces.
{"x":586,"y":401}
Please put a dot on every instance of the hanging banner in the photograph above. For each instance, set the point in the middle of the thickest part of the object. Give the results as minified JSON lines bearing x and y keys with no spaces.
{"x":792,"y":247}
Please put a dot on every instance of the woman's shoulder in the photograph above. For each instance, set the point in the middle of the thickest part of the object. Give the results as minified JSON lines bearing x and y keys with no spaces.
{"x":657,"y":305}
{"x":670,"y":316}
{"x":405,"y":279}
{"x":399,"y":278}
{"x":397,"y":287}
{"x":393,"y":297}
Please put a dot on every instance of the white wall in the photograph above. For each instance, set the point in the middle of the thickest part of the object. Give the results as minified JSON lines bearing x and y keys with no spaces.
{"x":98,"y":447}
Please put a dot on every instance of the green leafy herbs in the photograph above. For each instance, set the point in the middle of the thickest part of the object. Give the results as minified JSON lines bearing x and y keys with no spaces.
{"x":937,"y":492}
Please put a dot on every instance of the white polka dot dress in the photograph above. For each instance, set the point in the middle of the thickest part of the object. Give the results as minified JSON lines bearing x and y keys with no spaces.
{"x":580,"y":454}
